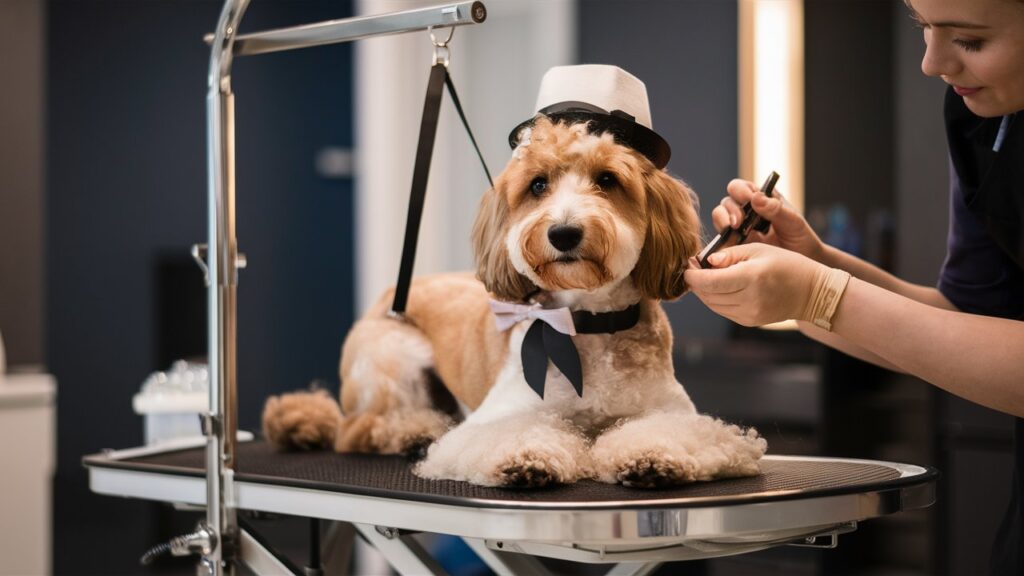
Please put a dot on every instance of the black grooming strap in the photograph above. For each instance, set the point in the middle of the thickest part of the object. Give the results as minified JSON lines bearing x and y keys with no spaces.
{"x":462,"y":115}
{"x":421,"y":170}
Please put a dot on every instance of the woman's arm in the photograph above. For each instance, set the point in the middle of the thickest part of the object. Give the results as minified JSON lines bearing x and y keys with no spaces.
{"x":979,"y":358}
{"x":833,"y":340}
{"x":868,"y":272}
{"x":976,"y":357}
{"x":791,"y":231}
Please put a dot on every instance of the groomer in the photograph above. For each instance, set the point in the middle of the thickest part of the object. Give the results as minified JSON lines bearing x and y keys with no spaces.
{"x":967,"y":335}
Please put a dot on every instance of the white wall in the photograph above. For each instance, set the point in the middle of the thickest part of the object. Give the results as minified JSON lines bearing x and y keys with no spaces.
{"x":27,"y":448}
{"x":496,"y":67}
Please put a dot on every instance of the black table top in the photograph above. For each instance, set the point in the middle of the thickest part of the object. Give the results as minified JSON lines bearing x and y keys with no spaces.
{"x":392,"y":477}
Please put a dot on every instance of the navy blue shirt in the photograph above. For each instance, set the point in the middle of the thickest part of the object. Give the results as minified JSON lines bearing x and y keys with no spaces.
{"x":978,"y":276}
{"x":984,"y":268}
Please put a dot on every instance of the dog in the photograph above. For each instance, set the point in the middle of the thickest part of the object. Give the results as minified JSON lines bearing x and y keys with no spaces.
{"x":580,"y":222}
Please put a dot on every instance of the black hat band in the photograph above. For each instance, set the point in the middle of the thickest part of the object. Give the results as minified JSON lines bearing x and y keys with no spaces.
{"x":621,"y":125}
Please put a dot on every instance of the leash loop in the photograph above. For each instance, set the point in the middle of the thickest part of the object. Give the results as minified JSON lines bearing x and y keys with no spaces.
{"x":442,"y":53}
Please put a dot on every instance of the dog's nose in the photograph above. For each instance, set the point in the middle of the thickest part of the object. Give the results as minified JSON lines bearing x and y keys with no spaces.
{"x":564,"y":237}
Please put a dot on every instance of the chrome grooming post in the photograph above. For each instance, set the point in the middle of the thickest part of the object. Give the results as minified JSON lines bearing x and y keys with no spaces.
{"x":222,"y":259}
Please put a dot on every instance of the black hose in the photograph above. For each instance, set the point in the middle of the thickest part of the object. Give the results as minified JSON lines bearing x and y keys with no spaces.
{"x":153,"y":552}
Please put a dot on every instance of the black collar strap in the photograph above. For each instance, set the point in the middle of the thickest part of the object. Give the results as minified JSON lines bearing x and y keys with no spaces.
{"x":606,"y":322}
{"x":543,"y":343}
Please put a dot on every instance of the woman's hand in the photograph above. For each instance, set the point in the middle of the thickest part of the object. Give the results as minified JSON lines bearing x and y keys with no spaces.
{"x":755,"y":284}
{"x":789,"y":229}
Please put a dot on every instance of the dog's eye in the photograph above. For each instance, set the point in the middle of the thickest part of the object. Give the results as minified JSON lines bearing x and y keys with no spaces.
{"x":607,"y":180}
{"x":538,"y":185}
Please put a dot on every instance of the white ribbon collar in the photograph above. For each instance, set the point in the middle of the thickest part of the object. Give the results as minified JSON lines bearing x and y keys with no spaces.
{"x":508,"y":314}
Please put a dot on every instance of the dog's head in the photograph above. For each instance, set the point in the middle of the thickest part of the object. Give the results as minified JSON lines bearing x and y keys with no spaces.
{"x":576,"y":210}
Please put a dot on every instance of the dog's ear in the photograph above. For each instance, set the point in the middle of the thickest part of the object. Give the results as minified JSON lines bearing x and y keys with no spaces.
{"x":673,"y":235}
{"x":493,"y":266}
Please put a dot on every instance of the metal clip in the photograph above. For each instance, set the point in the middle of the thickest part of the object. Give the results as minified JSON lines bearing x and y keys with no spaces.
{"x":400,"y":316}
{"x":210,"y":424}
{"x":829,"y":539}
{"x":442,"y":53}
{"x":199,"y":255}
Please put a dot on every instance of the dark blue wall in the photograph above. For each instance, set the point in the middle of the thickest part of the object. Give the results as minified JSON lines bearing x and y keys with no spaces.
{"x":685,"y":52}
{"x":126,"y":196}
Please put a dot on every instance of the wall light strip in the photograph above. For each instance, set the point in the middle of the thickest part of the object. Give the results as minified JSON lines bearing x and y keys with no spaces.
{"x":771,"y":85}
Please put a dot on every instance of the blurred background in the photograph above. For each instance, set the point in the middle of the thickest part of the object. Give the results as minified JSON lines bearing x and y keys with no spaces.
{"x":103,"y":191}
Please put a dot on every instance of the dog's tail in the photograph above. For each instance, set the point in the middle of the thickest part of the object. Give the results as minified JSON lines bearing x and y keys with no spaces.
{"x":301,"y":420}
{"x":389,"y":390}
{"x":391,"y":400}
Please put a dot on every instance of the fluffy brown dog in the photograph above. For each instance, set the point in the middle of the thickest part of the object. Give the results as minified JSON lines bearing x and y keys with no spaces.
{"x":576,"y":220}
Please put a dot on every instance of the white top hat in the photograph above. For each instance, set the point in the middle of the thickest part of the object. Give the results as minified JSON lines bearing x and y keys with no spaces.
{"x":608,"y":98}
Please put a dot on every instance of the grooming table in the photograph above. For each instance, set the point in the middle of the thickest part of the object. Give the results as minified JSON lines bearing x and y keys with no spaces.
{"x":795,"y":500}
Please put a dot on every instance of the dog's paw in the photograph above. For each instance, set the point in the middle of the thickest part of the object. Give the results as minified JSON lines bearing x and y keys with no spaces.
{"x":664,"y":449}
{"x":650,"y":470}
{"x":524,"y":451}
{"x":528,"y":470}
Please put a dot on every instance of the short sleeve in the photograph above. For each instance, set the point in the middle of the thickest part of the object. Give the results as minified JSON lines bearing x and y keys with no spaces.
{"x":977,"y":275}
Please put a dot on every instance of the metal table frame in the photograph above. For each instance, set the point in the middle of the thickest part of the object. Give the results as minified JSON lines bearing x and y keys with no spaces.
{"x":220,"y":257}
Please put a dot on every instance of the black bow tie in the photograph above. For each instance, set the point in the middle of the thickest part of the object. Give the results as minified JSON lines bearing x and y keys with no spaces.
{"x":543,"y":343}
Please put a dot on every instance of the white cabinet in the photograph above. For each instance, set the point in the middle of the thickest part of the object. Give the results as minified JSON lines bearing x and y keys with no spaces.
{"x":27,"y":451}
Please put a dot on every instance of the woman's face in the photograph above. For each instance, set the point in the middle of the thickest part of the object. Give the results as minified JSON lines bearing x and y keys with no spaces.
{"x":976,"y":46}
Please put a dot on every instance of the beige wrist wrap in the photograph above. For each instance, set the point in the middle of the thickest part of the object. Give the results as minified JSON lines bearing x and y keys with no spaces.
{"x":829,"y":285}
